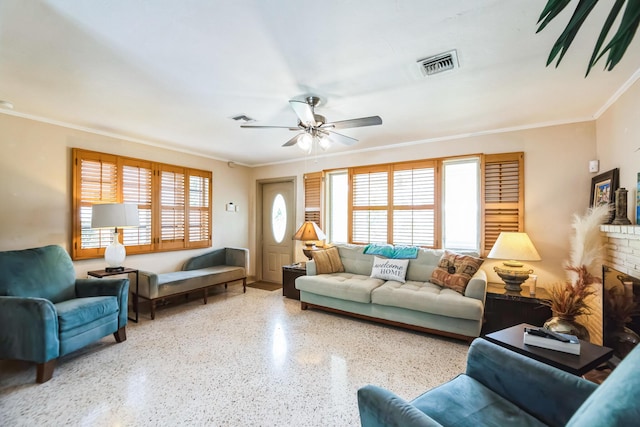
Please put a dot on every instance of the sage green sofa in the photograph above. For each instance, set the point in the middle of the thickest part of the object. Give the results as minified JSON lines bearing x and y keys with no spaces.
{"x":416,"y":304}
{"x":217,"y":267}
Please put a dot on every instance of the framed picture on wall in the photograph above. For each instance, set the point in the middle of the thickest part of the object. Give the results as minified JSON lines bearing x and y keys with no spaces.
{"x":603,"y":189}
{"x":638,"y":201}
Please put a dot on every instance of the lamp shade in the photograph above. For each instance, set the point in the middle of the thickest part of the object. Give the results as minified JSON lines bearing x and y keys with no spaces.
{"x":114,"y":215}
{"x":309,"y":231}
{"x":514,"y":246}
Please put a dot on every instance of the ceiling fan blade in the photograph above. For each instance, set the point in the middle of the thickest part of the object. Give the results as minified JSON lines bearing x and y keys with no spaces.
{"x":354,"y":123}
{"x":304,"y":112}
{"x":269,"y":127}
{"x":292,"y":141}
{"x":342,"y":139}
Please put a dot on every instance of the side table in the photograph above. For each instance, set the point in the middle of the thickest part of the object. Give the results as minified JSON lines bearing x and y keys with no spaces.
{"x":591,"y":355}
{"x":506,"y":308}
{"x":103,"y":273}
{"x":289,"y":275}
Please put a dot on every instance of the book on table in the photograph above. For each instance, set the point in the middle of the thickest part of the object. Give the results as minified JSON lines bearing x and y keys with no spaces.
{"x":572,"y":346}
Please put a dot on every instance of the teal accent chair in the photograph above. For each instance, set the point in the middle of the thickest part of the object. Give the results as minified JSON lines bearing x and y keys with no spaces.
{"x":503,"y":388}
{"x":45,"y":312}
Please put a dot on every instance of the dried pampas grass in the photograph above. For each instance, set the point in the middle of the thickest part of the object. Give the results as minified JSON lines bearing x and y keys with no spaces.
{"x":586,"y":244}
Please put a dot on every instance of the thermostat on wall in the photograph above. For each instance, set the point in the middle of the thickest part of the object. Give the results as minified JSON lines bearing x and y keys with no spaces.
{"x":230,"y":207}
{"x":594,"y":165}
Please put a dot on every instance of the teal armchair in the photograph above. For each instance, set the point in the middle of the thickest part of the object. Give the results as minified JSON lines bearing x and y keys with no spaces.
{"x":503,"y":388}
{"x":45,"y":312}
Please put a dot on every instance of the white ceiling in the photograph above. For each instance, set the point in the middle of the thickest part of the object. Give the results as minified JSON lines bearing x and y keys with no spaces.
{"x":172,"y":73}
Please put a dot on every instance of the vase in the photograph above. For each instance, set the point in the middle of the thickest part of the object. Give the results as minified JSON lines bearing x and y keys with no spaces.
{"x":567,"y":325}
{"x":622,"y":340}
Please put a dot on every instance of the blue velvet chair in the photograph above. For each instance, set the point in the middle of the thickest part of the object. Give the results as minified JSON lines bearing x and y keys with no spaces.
{"x":45,"y":312}
{"x":504,"y":388}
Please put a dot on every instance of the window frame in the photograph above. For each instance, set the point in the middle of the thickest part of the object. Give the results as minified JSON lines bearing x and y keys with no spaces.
{"x":156,"y":243}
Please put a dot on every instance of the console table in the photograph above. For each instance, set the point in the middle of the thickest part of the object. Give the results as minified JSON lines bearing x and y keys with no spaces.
{"x":506,"y":308}
{"x":289,"y":275}
{"x":591,"y":355}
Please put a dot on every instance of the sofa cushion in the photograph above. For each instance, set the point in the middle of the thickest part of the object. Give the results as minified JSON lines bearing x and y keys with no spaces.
{"x":346,"y":286}
{"x":80,"y":311}
{"x":327,"y":261}
{"x":429,"y":298}
{"x":454,"y":270}
{"x":389,"y":269}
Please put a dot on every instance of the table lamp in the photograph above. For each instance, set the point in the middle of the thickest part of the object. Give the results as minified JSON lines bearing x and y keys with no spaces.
{"x":513,"y":246}
{"x":114,"y":215}
{"x":309,"y":233}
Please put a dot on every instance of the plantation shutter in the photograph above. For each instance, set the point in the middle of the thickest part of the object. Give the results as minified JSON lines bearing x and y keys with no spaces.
{"x":503,"y":198}
{"x":369,"y":198}
{"x":172,"y":207}
{"x":199,"y":209}
{"x":414,"y":209}
{"x":312,"y":197}
{"x":95,"y":181}
{"x":136,"y":189}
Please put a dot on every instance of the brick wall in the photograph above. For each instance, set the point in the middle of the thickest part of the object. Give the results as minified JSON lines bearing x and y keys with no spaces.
{"x":622,"y":248}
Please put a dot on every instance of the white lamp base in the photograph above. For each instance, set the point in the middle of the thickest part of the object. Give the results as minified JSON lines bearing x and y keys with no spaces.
{"x":115,"y":253}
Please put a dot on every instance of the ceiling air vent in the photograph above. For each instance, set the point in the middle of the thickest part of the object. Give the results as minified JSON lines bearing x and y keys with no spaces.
{"x":439,"y":63}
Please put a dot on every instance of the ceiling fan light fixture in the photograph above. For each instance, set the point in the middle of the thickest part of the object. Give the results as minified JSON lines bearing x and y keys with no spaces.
{"x":324,"y":142}
{"x":304,"y":142}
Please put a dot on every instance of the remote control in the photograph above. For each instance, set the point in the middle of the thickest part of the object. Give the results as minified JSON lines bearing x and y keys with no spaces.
{"x":556,"y":335}
{"x":535,"y":332}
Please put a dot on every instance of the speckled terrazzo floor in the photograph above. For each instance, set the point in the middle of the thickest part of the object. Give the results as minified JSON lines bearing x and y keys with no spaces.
{"x":251,"y":359}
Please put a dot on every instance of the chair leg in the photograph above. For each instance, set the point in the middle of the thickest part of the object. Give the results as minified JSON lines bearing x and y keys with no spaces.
{"x":244,"y":285}
{"x":205,"y":294}
{"x":153,"y":309}
{"x":121,"y":334}
{"x":44,"y":371}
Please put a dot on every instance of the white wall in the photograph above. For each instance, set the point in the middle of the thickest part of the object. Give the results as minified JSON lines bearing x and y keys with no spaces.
{"x":618,"y":137}
{"x":557,"y":181}
{"x":35,"y":190}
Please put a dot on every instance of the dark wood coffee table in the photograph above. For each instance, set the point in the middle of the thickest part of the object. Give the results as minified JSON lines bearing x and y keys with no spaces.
{"x":591,"y":355}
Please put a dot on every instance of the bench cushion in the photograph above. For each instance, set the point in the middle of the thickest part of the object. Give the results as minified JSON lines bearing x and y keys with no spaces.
{"x":184,"y":281}
{"x":428,"y":298}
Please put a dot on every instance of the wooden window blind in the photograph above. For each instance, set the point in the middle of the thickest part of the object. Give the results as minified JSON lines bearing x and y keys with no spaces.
{"x":414,"y":204}
{"x":312,"y":197}
{"x":368,"y":203}
{"x":503,"y":196}
{"x":174,"y":203}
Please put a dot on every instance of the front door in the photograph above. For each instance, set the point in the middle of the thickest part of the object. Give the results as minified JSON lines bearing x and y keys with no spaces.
{"x":277,"y":229}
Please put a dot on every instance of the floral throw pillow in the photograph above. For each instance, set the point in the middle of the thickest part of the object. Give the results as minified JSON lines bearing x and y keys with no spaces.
{"x":454,"y":271}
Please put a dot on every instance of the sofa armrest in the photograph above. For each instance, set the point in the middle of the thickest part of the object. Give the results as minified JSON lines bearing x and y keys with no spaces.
{"x":477,"y":286}
{"x":107,"y":287}
{"x":547,"y":393}
{"x":311,"y":268}
{"x":238,"y":257}
{"x":29,"y":329}
{"x":148,"y":286}
{"x":381,"y":408}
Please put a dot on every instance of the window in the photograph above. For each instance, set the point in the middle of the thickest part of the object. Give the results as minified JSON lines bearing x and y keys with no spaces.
{"x":458,"y":203}
{"x":337,"y":206}
{"x":174,"y":203}
{"x":394,"y":203}
{"x":312,"y":191}
{"x":461,"y":207}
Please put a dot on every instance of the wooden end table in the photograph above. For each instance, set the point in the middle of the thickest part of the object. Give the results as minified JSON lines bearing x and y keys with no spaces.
{"x":289,"y":275}
{"x":104,"y":273}
{"x":507,"y":308}
{"x":591,"y":355}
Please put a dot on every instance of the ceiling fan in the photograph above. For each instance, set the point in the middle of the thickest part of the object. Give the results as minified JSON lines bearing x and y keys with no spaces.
{"x":314,"y":126}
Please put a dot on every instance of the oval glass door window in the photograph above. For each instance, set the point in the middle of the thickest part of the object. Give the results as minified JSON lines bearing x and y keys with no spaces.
{"x":279,"y":218}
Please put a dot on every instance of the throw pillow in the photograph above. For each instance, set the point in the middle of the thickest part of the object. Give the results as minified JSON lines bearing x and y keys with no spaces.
{"x":454,"y":271}
{"x":389,"y":269}
{"x":327,"y":261}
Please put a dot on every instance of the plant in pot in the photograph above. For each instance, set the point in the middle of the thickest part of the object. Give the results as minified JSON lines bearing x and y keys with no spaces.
{"x":572,"y":298}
